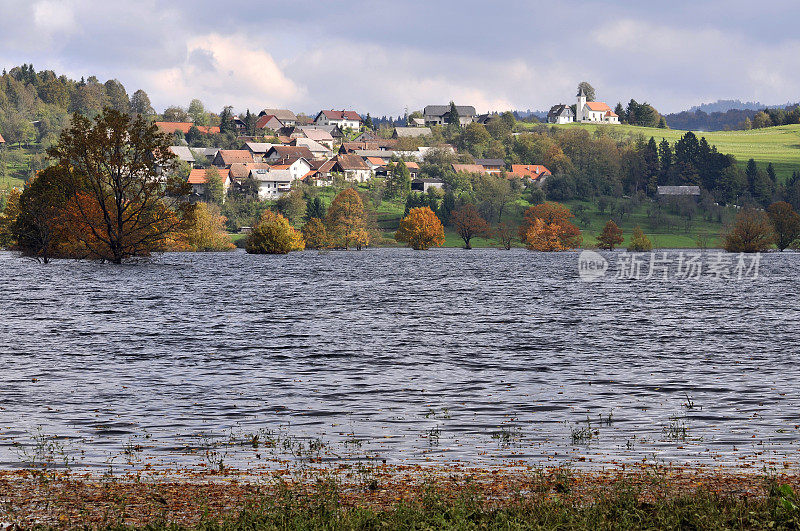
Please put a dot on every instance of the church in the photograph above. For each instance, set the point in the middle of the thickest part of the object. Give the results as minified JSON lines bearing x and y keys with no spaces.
{"x":585,"y":112}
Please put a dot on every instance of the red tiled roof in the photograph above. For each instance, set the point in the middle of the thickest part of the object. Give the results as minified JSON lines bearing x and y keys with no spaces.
{"x":376,"y":161}
{"x":597,"y":106}
{"x":198,"y":176}
{"x":171,"y":127}
{"x":609,"y":113}
{"x":530,"y":171}
{"x":232,"y":156}
{"x":341,"y":115}
{"x":412,"y":165}
{"x":261,"y":123}
{"x":239,"y":171}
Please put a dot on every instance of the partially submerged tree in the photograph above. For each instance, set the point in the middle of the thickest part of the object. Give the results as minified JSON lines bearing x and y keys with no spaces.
{"x":274,"y":235}
{"x":610,"y":236}
{"x":751,"y":233}
{"x":639,"y":241}
{"x":468,"y":223}
{"x":504,"y":234}
{"x":346,"y":221}
{"x":123,"y":205}
{"x":315,"y":234}
{"x":203,"y":229}
{"x":557,"y":215}
{"x":421,"y":229}
{"x":785,"y":224}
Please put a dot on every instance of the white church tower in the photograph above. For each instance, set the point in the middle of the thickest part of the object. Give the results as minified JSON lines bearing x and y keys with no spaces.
{"x":581,"y":104}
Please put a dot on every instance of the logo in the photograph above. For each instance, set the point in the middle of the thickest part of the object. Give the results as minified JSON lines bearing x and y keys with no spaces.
{"x":591,"y":266}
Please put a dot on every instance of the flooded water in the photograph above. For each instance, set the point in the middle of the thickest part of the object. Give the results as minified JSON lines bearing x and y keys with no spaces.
{"x":448,"y":356}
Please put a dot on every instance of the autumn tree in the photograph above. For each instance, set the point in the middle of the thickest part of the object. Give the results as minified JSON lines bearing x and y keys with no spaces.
{"x":39,"y":227}
{"x":203,"y":229}
{"x":468,"y":223}
{"x":274,"y":235}
{"x":751,"y":233}
{"x":8,"y":218}
{"x":346,"y":221}
{"x":639,"y":241}
{"x":555,"y":214}
{"x":610,"y":236}
{"x":315,"y":234}
{"x":504,"y":234}
{"x":421,"y":229}
{"x":785,"y":224}
{"x":122,"y":207}
{"x":543,"y":236}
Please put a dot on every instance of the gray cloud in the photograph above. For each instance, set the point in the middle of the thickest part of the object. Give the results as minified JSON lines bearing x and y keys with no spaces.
{"x":383,"y":56}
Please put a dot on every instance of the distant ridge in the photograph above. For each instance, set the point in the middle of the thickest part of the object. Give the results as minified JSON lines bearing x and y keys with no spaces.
{"x":736,"y":105}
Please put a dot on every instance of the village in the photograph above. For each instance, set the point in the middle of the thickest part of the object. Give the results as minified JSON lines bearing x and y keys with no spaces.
{"x":335,"y":142}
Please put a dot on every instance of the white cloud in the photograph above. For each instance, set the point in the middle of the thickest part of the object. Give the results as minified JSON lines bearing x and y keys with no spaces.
{"x":54,"y":17}
{"x":223,"y":70}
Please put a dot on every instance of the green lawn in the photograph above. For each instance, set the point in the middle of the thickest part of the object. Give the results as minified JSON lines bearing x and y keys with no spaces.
{"x":779,"y":145}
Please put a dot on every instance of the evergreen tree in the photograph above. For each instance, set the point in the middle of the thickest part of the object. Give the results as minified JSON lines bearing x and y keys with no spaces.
{"x":771,"y":173}
{"x":368,"y":122}
{"x":314,"y":209}
{"x":226,"y":124}
{"x":447,"y":207}
{"x":619,"y":110}
{"x":398,"y":184}
{"x":452,"y":116}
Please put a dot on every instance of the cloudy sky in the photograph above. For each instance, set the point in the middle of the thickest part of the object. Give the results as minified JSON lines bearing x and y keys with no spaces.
{"x":384,"y":56}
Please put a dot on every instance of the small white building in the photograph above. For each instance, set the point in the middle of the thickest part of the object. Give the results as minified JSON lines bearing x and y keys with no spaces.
{"x":593,"y":111}
{"x":297,"y":167}
{"x":353,"y":167}
{"x":342,"y":119}
{"x":440,"y":114}
{"x":560,"y":114}
{"x":272,"y":183}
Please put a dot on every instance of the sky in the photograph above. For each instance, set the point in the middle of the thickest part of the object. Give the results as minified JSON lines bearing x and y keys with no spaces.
{"x":384,"y":57}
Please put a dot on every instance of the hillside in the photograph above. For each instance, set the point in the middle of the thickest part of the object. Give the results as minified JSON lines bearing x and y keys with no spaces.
{"x":779,"y":145}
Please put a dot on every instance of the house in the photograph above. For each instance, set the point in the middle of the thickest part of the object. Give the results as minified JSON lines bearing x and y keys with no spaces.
{"x":343,"y":119}
{"x":320,"y":174}
{"x":258,"y":149}
{"x":272,"y":183}
{"x":198,"y":178}
{"x":416,"y":122}
{"x":468,"y":168}
{"x":667,"y":191}
{"x":320,"y":136}
{"x":560,"y":114}
{"x":269,"y":121}
{"x":352,"y":166}
{"x":410,"y":132}
{"x":413,"y":167}
{"x":439,"y":114}
{"x":282,"y":154}
{"x":298,"y":167}
{"x":239,"y":125}
{"x":239,"y":171}
{"x":318,"y":150}
{"x":382,"y":154}
{"x":529,"y":172}
{"x":302,"y":131}
{"x":285,"y":116}
{"x":183,"y":127}
{"x":208,"y":153}
{"x":593,"y":111}
{"x":375,"y":163}
{"x":422,"y":185}
{"x":226,"y":157}
{"x":492,"y":165}
{"x":381,"y":144}
{"x":366,"y":136}
{"x":183,"y":154}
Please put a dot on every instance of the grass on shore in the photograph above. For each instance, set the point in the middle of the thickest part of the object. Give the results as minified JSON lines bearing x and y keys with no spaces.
{"x":558,"y":499}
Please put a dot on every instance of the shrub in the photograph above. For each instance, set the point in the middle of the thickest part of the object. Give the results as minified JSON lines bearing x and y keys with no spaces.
{"x":640,"y":242}
{"x":274,"y":235}
{"x":751,"y":233}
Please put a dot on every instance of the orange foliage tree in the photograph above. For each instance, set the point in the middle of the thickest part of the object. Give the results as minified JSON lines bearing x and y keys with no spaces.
{"x":468,"y":223}
{"x":752,"y":232}
{"x":611,"y":236}
{"x":315,"y":234}
{"x":421,"y":229}
{"x":557,"y":215}
{"x":544,"y":237}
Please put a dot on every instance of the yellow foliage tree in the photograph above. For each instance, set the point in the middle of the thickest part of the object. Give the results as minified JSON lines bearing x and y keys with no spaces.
{"x":8,"y":217}
{"x":204,"y":230}
{"x":274,"y":235}
{"x":315,"y":234}
{"x":421,"y":229}
{"x":545,"y":237}
{"x":346,"y":221}
{"x":639,"y":241}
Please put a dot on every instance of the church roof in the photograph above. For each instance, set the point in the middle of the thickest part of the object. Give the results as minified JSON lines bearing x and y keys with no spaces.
{"x":598,"y":106}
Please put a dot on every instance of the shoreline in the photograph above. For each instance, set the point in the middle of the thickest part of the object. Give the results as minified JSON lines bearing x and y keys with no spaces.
{"x":65,"y":500}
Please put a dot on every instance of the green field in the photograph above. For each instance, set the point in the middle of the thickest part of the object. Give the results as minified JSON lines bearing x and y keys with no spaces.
{"x":779,"y":145}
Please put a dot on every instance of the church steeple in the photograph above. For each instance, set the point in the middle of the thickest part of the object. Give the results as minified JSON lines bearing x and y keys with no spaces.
{"x":581,"y":104}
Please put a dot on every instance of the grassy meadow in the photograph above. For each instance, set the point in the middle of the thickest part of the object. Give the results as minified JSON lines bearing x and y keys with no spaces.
{"x":779,"y":145}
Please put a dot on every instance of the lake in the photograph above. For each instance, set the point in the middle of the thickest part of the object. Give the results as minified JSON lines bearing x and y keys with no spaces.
{"x":479,"y":357}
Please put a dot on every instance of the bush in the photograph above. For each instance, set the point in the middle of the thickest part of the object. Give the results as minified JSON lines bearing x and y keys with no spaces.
{"x":751,"y":233}
{"x":274,"y":235}
{"x":640,"y":242}
{"x":421,"y":229}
